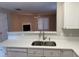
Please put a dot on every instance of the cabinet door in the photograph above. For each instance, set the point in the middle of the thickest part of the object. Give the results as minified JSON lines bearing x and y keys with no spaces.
{"x":51,"y":53}
{"x":71,"y":15}
{"x":17,"y":49}
{"x":35,"y":52}
{"x":66,"y":53}
{"x":16,"y":54}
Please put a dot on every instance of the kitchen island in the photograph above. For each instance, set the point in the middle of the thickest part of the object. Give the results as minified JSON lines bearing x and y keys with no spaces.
{"x":25,"y":46}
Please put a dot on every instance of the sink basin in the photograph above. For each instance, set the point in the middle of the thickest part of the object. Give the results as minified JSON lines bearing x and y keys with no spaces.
{"x":43,"y":43}
{"x":37,"y":43}
{"x":49,"y":43}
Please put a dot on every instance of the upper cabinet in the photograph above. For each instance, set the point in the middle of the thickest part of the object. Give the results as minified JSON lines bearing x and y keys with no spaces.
{"x":71,"y":15}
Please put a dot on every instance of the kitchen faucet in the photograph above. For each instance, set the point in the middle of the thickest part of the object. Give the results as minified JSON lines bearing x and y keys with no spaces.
{"x":42,"y":34}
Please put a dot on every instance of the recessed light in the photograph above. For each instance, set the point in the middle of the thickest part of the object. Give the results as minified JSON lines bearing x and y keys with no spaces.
{"x":18,"y":9}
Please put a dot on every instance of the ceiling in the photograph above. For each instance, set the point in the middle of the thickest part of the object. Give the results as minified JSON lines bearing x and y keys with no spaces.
{"x":29,"y":6}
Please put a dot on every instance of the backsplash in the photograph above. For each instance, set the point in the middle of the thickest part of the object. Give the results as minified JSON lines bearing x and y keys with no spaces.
{"x":16,"y":36}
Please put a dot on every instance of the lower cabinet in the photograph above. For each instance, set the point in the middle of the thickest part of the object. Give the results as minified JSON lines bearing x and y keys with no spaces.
{"x":39,"y":52}
{"x":35,"y":52}
{"x":66,"y":53}
{"x":51,"y":52}
{"x":16,"y":52}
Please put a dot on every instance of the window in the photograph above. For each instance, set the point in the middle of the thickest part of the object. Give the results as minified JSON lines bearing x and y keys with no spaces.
{"x":43,"y":23}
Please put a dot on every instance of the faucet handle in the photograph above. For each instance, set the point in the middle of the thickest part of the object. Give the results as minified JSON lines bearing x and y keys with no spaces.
{"x":45,"y":38}
{"x":49,"y":38}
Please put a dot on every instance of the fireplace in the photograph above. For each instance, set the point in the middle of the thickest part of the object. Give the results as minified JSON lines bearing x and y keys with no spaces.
{"x":26,"y":27}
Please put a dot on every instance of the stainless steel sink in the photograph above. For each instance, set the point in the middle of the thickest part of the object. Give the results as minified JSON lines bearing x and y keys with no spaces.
{"x":37,"y":43}
{"x":49,"y":43}
{"x":43,"y":43}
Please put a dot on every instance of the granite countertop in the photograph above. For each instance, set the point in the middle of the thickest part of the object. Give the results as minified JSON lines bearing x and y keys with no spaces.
{"x":60,"y":44}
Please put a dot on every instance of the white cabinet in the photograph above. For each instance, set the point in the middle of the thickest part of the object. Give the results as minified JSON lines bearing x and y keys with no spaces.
{"x":51,"y":52}
{"x":71,"y":15}
{"x":16,"y":52}
{"x":35,"y":52}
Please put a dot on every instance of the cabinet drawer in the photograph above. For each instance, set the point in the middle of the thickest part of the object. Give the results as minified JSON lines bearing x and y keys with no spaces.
{"x":35,"y":52}
{"x":17,"y":49}
{"x":51,"y":53}
{"x":16,"y":54}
